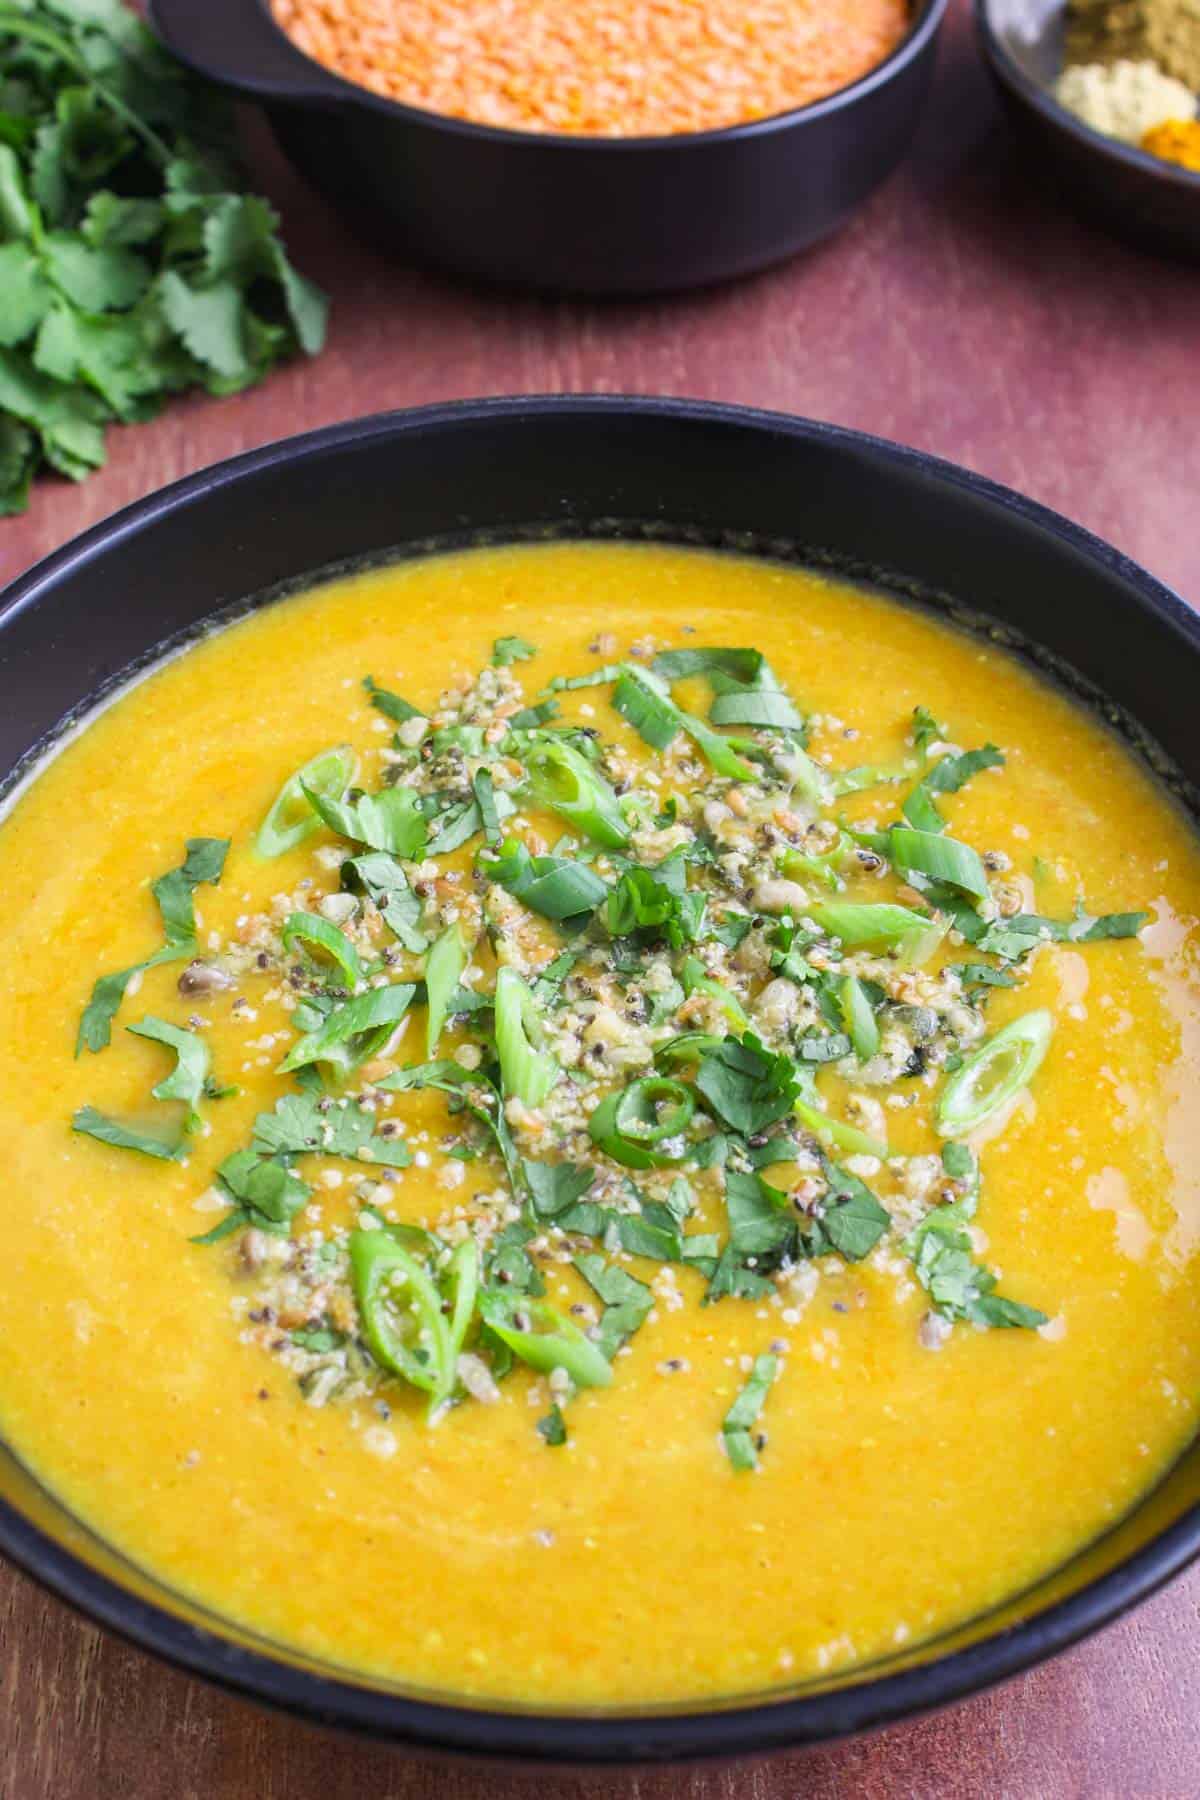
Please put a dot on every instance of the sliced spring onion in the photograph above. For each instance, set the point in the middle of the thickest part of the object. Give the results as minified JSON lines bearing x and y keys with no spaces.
{"x":824,"y":867}
{"x":462,"y":1291}
{"x":836,"y":1132}
{"x":192,"y":1063}
{"x":738,"y":1424}
{"x":859,"y":1016}
{"x":941,"y":858}
{"x":401,"y":1312}
{"x":317,"y":933}
{"x":629,"y":1124}
{"x":881,"y":924}
{"x":526,"y":1070}
{"x":766,"y":709}
{"x":553,"y":886}
{"x":567,"y":783}
{"x":646,"y":702}
{"x":352,"y":1033}
{"x":744,"y":668}
{"x":689,"y":1046}
{"x":443,"y":971}
{"x":542,"y":1337}
{"x":291,"y":818}
{"x":695,"y":981}
{"x":485,"y":800}
{"x":990,"y":1076}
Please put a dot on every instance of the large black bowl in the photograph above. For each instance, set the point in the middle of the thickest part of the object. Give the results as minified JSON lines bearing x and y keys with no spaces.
{"x":561,"y":213}
{"x":633,"y":468}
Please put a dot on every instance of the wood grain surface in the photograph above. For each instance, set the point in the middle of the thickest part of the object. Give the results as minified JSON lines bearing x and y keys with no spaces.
{"x":961,"y":312}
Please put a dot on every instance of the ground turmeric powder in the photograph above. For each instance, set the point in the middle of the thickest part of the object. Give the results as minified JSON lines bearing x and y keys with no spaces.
{"x":1177,"y":141}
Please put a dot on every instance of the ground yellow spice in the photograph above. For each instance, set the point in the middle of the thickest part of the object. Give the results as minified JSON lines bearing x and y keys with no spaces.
{"x":615,"y":68}
{"x":1177,"y":141}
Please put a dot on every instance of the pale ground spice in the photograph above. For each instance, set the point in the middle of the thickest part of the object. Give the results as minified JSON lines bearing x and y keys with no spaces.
{"x":614,"y":68}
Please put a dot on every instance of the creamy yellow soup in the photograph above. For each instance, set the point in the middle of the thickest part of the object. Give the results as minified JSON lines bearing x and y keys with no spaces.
{"x":906,"y":1478}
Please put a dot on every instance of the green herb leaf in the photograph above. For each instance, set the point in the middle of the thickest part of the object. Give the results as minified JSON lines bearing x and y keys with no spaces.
{"x":508,"y":650}
{"x":627,"y":1301}
{"x":313,"y":1124}
{"x":172,"y":892}
{"x":746,"y":1085}
{"x":107,"y":1130}
{"x":189,"y":1078}
{"x":737,"y":1430}
{"x":389,"y":820}
{"x":552,"y":1429}
{"x":392,"y":706}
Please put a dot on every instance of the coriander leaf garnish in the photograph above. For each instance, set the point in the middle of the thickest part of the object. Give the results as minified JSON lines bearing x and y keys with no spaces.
{"x":265,"y":1193}
{"x":627,"y":1301}
{"x":746,"y":1085}
{"x":189,"y":1079}
{"x":552,"y":1429}
{"x":392,"y":706}
{"x":383,"y":880}
{"x":204,"y":862}
{"x":850,"y":1219}
{"x":742,"y":1445}
{"x":508,"y":650}
{"x":312,"y":1124}
{"x":92,"y":1123}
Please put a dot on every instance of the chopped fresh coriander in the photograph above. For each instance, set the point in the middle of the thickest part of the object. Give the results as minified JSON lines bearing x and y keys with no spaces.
{"x":552,"y":1429}
{"x":204,"y":862}
{"x":741,"y":1444}
{"x":189,"y":1078}
{"x":92,"y":1123}
{"x":311,"y":1124}
{"x":392,"y":706}
{"x":507,"y":650}
{"x":746,"y":1085}
{"x":627,"y":1301}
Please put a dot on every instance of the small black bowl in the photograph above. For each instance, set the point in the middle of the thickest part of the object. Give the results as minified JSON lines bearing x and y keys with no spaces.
{"x":507,"y":470}
{"x":560,"y":213}
{"x":1152,"y":204}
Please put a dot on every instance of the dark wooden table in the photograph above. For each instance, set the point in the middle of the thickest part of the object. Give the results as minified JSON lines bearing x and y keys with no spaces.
{"x":960,"y":312}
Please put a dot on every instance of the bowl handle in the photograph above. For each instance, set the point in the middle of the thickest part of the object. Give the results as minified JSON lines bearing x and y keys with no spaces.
{"x":237,"y":44}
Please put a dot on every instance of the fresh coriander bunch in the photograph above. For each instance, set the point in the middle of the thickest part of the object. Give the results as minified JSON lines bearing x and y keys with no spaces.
{"x":131,"y":266}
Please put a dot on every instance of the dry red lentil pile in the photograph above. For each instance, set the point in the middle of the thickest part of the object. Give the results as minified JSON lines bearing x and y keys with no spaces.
{"x":613,"y":68}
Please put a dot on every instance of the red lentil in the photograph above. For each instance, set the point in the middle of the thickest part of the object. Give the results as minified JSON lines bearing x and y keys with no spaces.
{"x":613,"y":68}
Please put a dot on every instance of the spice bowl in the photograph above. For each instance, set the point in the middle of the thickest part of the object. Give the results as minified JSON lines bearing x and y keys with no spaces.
{"x":567,"y":213}
{"x":1152,"y":204}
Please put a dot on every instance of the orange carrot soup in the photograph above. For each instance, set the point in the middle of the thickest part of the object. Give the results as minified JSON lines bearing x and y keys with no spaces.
{"x":593,"y":1124}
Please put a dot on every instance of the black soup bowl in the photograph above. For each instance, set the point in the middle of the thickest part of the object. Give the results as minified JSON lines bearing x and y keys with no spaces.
{"x":499,"y":471}
{"x":568,"y":214}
